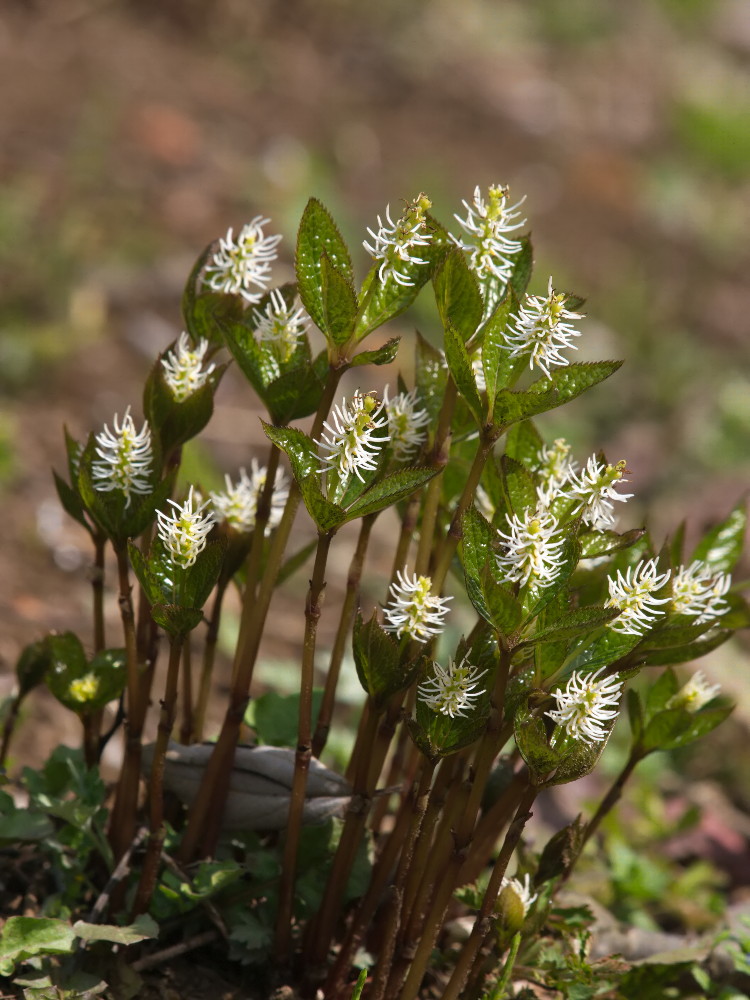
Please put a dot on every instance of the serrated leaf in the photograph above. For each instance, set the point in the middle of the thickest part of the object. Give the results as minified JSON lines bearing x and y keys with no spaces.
{"x":579,"y":621}
{"x":602,"y":543}
{"x":494,"y":602}
{"x":531,"y":739}
{"x":457,"y":294}
{"x":518,"y":486}
{"x":438,"y":735}
{"x":71,"y":501}
{"x":25,"y":937}
{"x":200,"y":579}
{"x":339,"y":303}
{"x":561,"y":852}
{"x":523,"y":442}
{"x":692,"y":651}
{"x":178,"y":421}
{"x":494,"y":347}
{"x":664,"y":688}
{"x":377,"y":659}
{"x":176,"y":620}
{"x":319,"y":235}
{"x":326,"y":515}
{"x":721,"y":548}
{"x":379,"y":356}
{"x":580,"y":761}
{"x":605,"y":649}
{"x":676,"y":727}
{"x":431,"y":376}
{"x":636,"y":714}
{"x":297,"y":393}
{"x":459,"y":364}
{"x":389,"y":490}
{"x":523,"y":266}
{"x":300,"y":449}
{"x":536,"y":598}
{"x":545,"y":394}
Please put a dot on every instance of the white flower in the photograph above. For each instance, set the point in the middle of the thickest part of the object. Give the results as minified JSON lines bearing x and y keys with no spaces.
{"x":695,"y":694}
{"x":633,"y":595}
{"x":351,"y":439}
{"x":522,"y":890}
{"x":184,"y":531}
{"x":452,"y":688}
{"x":183,"y":367}
{"x":406,"y":424}
{"x":697,"y":590}
{"x":238,"y":506}
{"x":487,"y":225}
{"x":413,"y":610}
{"x":533,"y":549}
{"x":394,"y":243}
{"x":586,"y":705}
{"x":555,"y":468}
{"x":594,"y":489}
{"x":281,"y":326}
{"x":542,"y":330}
{"x":125,"y":459}
{"x":238,"y":266}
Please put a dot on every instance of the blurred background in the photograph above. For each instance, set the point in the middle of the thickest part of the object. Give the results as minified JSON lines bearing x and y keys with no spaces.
{"x":133,"y":133}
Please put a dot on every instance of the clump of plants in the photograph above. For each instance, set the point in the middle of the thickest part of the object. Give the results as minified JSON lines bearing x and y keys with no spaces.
{"x":348,"y":881}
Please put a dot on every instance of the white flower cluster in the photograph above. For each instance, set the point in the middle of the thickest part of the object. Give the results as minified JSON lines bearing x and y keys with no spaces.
{"x":393,"y":244}
{"x":281,"y":326}
{"x":183,"y":367}
{"x":243,"y":266}
{"x":487,"y":225}
{"x":587,"y":705}
{"x":406,"y":424}
{"x":542,"y":330}
{"x":594,"y":489}
{"x":238,"y":504}
{"x":533,"y":549}
{"x":452,"y":689}
{"x":632,"y":593}
{"x":555,"y":467}
{"x":351,"y":439}
{"x":184,"y":530}
{"x":695,"y":694}
{"x":698,"y":590}
{"x":413,"y":610}
{"x":125,"y":459}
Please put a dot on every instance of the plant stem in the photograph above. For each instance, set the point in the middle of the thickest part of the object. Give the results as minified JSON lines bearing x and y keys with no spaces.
{"x":438,"y":459}
{"x":97,"y":588}
{"x":209,"y":655}
{"x":150,"y":869}
{"x":187,"y":728}
{"x":406,"y":535}
{"x":342,"y":634}
{"x":501,"y":986}
{"x":283,"y":934}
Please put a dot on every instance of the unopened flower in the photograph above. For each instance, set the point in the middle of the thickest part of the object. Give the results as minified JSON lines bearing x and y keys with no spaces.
{"x":413,"y":610}
{"x":555,"y":467}
{"x":125,"y":459}
{"x":695,"y":694}
{"x":487,"y":225}
{"x":351,"y":439}
{"x":393,"y":244}
{"x":542,"y":330}
{"x":83,"y":689}
{"x":594,"y":489}
{"x":451,"y":690}
{"x":533,"y":550}
{"x":184,"y":530}
{"x":183,"y":367}
{"x":238,"y":504}
{"x":243,"y":266}
{"x":698,"y":590}
{"x":406,"y":424}
{"x":586,"y":705}
{"x":522,"y":890}
{"x":633,"y":594}
{"x":281,"y":326}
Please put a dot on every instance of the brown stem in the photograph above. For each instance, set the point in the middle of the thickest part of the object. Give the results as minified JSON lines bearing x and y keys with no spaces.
{"x":406,"y":535}
{"x":97,"y":588}
{"x":283,"y":935}
{"x":488,"y":829}
{"x":398,"y":774}
{"x":187,"y":728}
{"x":209,"y":655}
{"x":438,"y":458}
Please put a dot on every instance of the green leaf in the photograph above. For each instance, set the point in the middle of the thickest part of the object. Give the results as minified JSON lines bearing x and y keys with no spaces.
{"x":676,"y":727}
{"x":389,"y":490}
{"x":201,"y":578}
{"x":297,"y":393}
{"x":523,"y":265}
{"x":438,"y":735}
{"x":457,"y":294}
{"x":523,"y":442}
{"x":275,"y":717}
{"x":606,"y":648}
{"x":144,"y":574}
{"x":318,"y":236}
{"x":602,"y":543}
{"x":518,"y":486}
{"x":494,"y":348}
{"x":31,"y":666}
{"x":561,"y":852}
{"x":722,"y":547}
{"x":665,"y":687}
{"x":176,"y":620}
{"x":494,"y":602}
{"x":431,"y":376}
{"x":85,"y":687}
{"x":141,"y":929}
{"x":71,"y":501}
{"x":531,"y":740}
{"x":579,"y":621}
{"x":339,"y":303}
{"x":377,"y":658}
{"x":326,"y":515}
{"x":459,"y":364}
{"x":301,"y":450}
{"x":25,"y":937}
{"x":581,"y":760}
{"x":380,"y":356}
{"x":22,"y":824}
{"x":636,"y":715}
{"x":548,"y":393}
{"x":692,"y":651}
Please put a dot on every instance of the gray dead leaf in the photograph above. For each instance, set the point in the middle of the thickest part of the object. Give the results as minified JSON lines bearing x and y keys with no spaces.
{"x":259,"y":786}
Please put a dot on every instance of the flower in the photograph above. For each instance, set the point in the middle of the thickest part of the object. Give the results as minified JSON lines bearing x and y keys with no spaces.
{"x":84,"y":689}
{"x":522,"y":890}
{"x":183,"y":367}
{"x":351,"y":439}
{"x":533,"y":549}
{"x":184,"y":531}
{"x":633,"y":595}
{"x":452,"y":688}
{"x":281,"y":326}
{"x":487,"y":224}
{"x":125,"y":459}
{"x":555,"y":467}
{"x":695,"y":694}
{"x":594,"y":488}
{"x":394,"y":243}
{"x":413,"y":610}
{"x":237,"y":266}
{"x":239,"y":504}
{"x":541,"y":330}
{"x":586,"y":705}
{"x":697,"y":590}
{"x":406,"y":424}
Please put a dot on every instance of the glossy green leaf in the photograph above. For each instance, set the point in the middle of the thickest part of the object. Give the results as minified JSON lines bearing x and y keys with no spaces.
{"x":494,"y":351}
{"x":71,"y":501}
{"x":602,"y":543}
{"x":326,"y":515}
{"x":664,"y":687}
{"x":580,"y":761}
{"x":438,"y":735}
{"x":319,"y":235}
{"x":523,"y":266}
{"x":459,"y":364}
{"x":691,"y":651}
{"x":524,"y":443}
{"x":722,"y":546}
{"x":676,"y":727}
{"x":431,"y":376}
{"x":178,"y":421}
{"x":548,"y":393}
{"x":339,"y":303}
{"x":176,"y":620}
{"x":379,"y":356}
{"x":457,"y":294}
{"x":389,"y":490}
{"x":606,"y":648}
{"x":518,"y":485}
{"x":378,"y":660}
{"x":532,"y":742}
{"x":300,"y":449}
{"x":578,"y":621}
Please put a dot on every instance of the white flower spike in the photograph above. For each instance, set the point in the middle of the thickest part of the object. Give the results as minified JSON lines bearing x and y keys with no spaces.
{"x":695,"y":694}
{"x":487,"y":225}
{"x":632,"y":593}
{"x":542,"y":330}
{"x":697,"y":590}
{"x":594,"y":489}
{"x":532,"y":551}
{"x":125,"y":459}
{"x":351,"y":439}
{"x":184,"y":531}
{"x":406,"y":424}
{"x":393,"y":243}
{"x":238,"y":505}
{"x":183,"y":367}
{"x":522,"y":890}
{"x":413,"y":610}
{"x":452,"y":689}
{"x":555,"y":468}
{"x":281,"y":326}
{"x":243,"y":266}
{"x":586,"y":705}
